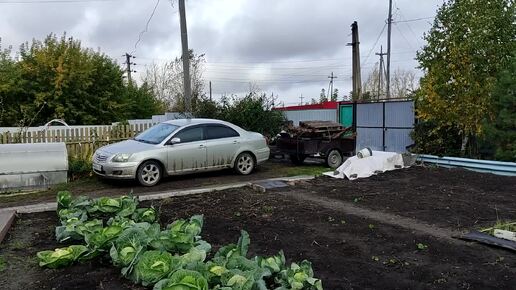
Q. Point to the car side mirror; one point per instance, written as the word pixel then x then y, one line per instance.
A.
pixel 174 140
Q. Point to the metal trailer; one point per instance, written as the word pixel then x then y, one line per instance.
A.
pixel 32 165
pixel 332 151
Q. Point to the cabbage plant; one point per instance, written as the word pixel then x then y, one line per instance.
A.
pixel 152 267
pixel 183 280
pixel 298 276
pixel 61 257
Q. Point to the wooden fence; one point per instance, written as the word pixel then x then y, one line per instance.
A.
pixel 80 142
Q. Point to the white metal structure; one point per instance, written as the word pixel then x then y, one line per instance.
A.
pixel 32 165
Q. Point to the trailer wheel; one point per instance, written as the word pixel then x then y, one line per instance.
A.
pixel 297 159
pixel 334 158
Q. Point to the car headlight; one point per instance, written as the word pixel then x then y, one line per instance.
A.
pixel 121 157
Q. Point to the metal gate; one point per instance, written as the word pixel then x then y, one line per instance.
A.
pixel 385 126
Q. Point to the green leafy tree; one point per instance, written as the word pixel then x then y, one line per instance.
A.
pixel 58 78
pixel 9 90
pixel 335 95
pixel 322 96
pixel 500 137
pixel 469 44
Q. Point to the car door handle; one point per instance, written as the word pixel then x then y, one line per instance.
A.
pixel 201 146
pixel 235 142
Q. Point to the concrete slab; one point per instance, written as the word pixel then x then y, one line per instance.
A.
pixel 269 184
pixel 6 220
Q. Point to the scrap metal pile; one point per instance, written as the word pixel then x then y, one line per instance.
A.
pixel 318 129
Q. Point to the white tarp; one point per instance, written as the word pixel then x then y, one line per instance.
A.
pixel 379 162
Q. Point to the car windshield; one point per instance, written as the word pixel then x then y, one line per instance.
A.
pixel 156 134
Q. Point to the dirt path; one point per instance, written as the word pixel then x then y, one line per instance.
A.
pixel 383 217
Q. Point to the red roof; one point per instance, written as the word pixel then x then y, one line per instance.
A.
pixel 325 105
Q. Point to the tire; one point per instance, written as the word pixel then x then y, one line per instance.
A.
pixel 149 173
pixel 244 163
pixel 297 159
pixel 334 158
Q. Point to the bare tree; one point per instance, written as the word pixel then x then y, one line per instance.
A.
pixel 403 82
pixel 166 80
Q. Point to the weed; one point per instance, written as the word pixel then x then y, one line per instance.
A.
pixel 375 258
pixel 238 214
pixel 267 209
pixel 421 246
pixel 342 222
pixel 3 264
pixel 371 226
pixel 330 219
pixel 17 245
pixel 357 199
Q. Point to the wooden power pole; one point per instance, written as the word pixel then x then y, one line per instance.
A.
pixel 186 58
pixel 380 72
pixel 128 67
pixel 357 79
pixel 389 24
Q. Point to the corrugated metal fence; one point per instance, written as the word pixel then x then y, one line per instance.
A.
pixel 385 126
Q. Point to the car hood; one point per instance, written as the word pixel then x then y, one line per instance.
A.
pixel 127 146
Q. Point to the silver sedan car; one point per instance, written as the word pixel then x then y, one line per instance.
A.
pixel 180 147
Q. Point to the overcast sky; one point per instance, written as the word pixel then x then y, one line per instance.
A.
pixel 286 47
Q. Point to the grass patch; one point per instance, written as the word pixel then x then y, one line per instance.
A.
pixel 306 170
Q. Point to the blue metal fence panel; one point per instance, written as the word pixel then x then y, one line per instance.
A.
pixel 311 115
pixel 369 115
pixel 397 140
pixel 385 126
pixel 369 137
pixel 495 167
pixel 399 114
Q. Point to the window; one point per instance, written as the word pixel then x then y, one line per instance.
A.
pixel 156 134
pixel 220 131
pixel 190 135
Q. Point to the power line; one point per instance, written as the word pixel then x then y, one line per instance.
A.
pixel 146 27
pixel 375 43
pixel 413 20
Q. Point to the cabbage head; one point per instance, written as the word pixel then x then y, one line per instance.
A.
pixel 61 257
pixel 152 267
pixel 183 280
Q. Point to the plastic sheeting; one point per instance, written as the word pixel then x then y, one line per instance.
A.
pixel 379 162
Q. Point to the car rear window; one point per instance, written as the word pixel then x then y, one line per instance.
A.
pixel 220 131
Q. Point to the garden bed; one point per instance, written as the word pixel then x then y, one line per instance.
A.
pixel 347 251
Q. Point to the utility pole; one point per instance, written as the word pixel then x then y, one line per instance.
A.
pixel 331 77
pixel 380 71
pixel 357 79
pixel 210 91
pixel 128 67
pixel 186 57
pixel 389 24
pixel 301 103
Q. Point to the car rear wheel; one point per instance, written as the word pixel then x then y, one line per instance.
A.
pixel 334 158
pixel 149 173
pixel 244 163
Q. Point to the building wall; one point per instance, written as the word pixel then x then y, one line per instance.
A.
pixel 311 115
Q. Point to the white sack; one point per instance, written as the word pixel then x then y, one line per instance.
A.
pixel 355 167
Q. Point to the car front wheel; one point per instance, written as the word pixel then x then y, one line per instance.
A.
pixel 149 173
pixel 244 163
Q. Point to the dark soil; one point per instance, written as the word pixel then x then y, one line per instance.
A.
pixel 453 198
pixel 347 251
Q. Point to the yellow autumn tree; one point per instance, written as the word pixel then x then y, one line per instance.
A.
pixel 470 42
